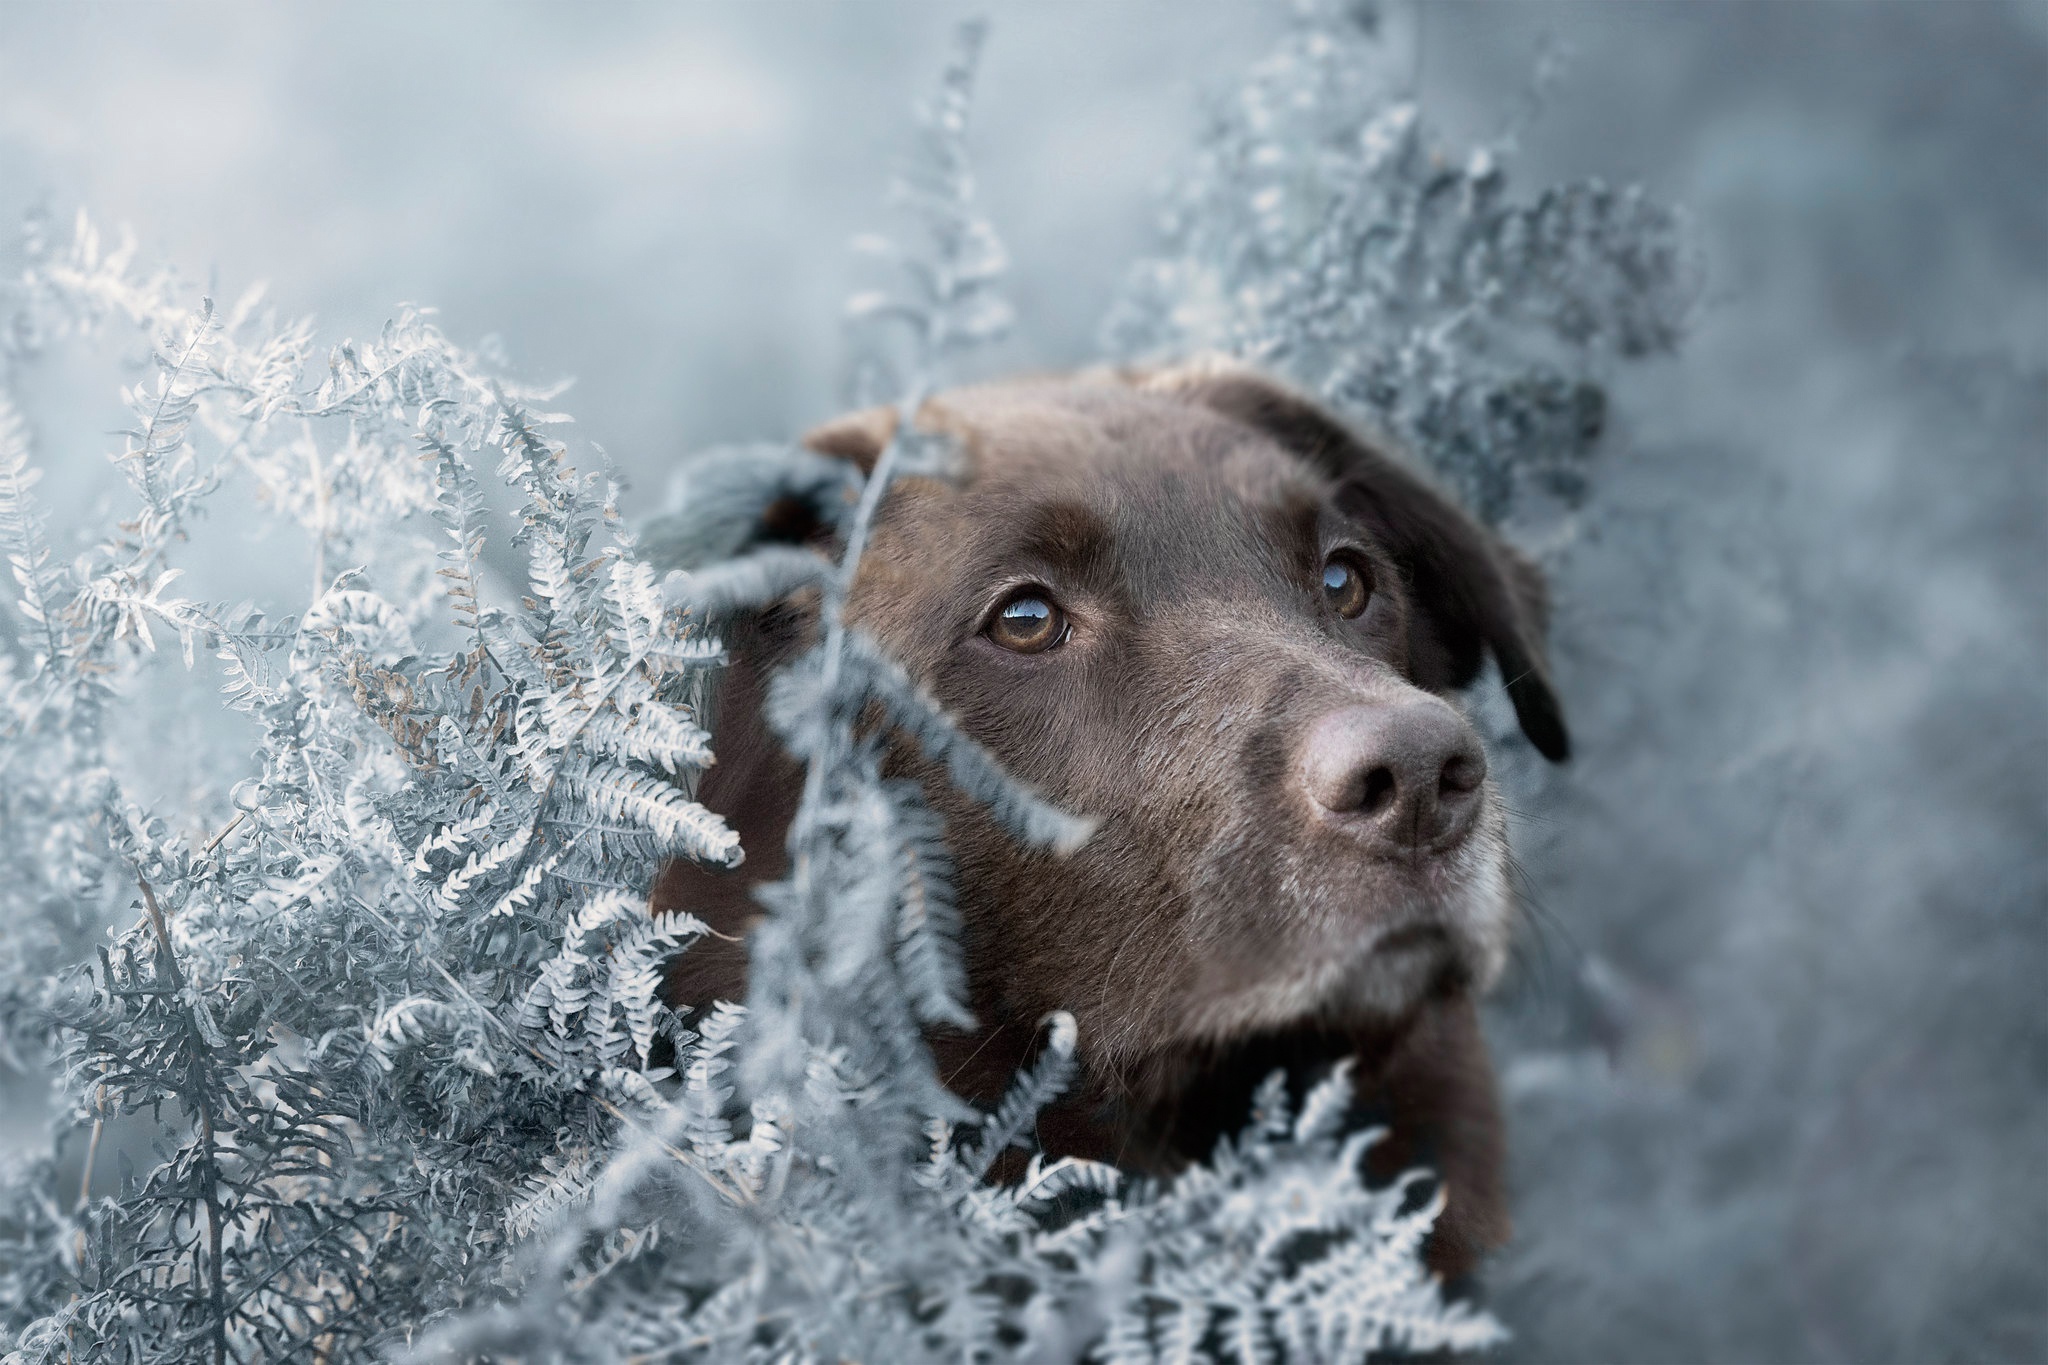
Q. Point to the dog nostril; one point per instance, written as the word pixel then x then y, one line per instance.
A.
pixel 1460 777
pixel 1378 793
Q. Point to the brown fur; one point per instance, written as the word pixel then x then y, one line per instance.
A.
pixel 1218 924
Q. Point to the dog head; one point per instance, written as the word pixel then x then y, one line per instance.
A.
pixel 1194 606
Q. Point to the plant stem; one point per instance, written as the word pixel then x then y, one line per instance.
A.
pixel 209 1172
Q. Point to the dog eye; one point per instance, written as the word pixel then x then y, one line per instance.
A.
pixel 1028 623
pixel 1346 585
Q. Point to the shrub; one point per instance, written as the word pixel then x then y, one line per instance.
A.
pixel 375 1043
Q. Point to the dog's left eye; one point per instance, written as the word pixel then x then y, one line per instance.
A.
pixel 1028 623
pixel 1346 585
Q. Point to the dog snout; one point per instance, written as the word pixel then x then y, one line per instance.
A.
pixel 1404 776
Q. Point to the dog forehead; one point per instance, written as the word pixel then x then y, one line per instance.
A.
pixel 1120 452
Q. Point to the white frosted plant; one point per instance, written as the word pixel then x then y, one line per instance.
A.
pixel 412 960
pixel 364 1053
pixel 1325 232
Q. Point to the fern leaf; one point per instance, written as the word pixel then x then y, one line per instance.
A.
pixel 928 921
pixel 754 580
pixel 648 802
pixel 720 500
pixel 1043 1082
pixel 1324 1110
pixel 1028 816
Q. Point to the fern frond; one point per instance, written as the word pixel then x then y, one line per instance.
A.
pixel 480 866
pixel 1040 1084
pixel 720 499
pixel 21 535
pixel 928 920
pixel 757 579
pixel 1043 1184
pixel 1324 1111
pixel 638 727
pixel 1026 815
pixel 648 802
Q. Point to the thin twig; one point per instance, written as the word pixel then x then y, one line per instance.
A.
pixel 216 1291
pixel 226 830
pixel 92 1148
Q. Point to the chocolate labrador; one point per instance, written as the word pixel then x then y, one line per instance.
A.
pixel 1193 605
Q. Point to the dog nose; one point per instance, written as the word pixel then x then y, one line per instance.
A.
pixel 1404 774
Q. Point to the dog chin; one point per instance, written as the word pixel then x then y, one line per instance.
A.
pixel 1377 981
pixel 1397 974
pixel 1445 931
pixel 1452 937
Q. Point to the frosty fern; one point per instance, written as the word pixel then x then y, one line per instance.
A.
pixel 368 1044
pixel 1325 234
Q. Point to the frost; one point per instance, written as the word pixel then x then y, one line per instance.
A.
pixel 1326 234
pixel 369 1047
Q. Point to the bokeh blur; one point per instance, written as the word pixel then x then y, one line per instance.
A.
pixel 1777 1048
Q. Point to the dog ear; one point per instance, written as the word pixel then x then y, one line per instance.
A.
pixel 857 437
pixel 1472 590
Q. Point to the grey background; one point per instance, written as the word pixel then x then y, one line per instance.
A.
pixel 1776 1048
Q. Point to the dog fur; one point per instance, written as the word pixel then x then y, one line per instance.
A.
pixel 1219 923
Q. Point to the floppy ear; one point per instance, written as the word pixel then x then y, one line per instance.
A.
pixel 1471 590
pixel 857 437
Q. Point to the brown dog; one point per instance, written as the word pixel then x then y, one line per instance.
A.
pixel 1192 605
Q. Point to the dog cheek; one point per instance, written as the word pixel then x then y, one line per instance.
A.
pixel 1246 924
pixel 1171 888
pixel 1096 932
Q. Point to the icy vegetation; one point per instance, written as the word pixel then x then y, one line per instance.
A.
pixel 369 1052
pixel 1325 233
pixel 322 881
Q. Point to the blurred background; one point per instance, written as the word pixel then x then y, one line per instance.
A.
pixel 1777 1046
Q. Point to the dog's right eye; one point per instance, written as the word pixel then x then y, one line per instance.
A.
pixel 1028 623
pixel 1347 585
